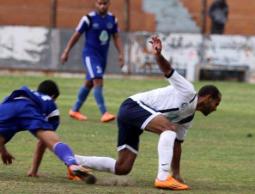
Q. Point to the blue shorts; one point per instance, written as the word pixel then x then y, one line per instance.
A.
pixel 94 66
pixel 132 119
pixel 21 115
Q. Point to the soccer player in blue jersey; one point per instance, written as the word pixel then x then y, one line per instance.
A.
pixel 166 111
pixel 98 26
pixel 36 112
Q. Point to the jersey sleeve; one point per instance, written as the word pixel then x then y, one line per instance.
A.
pixel 52 115
pixel 83 24
pixel 115 26
pixel 182 85
pixel 54 121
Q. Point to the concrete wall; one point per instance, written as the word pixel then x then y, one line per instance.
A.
pixel 40 49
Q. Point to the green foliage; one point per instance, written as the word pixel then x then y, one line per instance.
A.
pixel 218 154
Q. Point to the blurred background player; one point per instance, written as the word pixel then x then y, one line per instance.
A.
pixel 167 111
pixel 99 26
pixel 218 13
pixel 36 112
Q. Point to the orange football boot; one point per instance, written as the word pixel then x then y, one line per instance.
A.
pixel 79 173
pixel 107 117
pixel 170 183
pixel 77 115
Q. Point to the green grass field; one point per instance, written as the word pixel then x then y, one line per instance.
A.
pixel 218 157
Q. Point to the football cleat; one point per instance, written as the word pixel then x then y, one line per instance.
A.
pixel 170 183
pixel 77 115
pixel 79 173
pixel 107 117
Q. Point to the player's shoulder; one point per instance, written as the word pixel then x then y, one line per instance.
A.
pixel 87 18
pixel 112 16
pixel 91 14
pixel 47 103
pixel 180 83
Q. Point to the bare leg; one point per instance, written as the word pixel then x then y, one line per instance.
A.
pixel 50 138
pixel 176 161
pixel 62 150
pixel 125 162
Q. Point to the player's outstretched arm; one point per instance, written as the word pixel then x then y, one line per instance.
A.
pixel 37 158
pixel 118 45
pixel 164 65
pixel 72 41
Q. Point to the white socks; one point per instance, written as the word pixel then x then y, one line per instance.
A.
pixel 165 153
pixel 105 164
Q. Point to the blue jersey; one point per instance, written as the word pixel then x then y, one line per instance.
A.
pixel 28 110
pixel 98 31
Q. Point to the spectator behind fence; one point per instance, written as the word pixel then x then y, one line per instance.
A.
pixel 218 13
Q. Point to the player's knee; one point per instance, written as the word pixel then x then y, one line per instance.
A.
pixel 88 84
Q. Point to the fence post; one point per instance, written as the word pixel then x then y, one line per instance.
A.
pixel 203 20
pixel 127 15
pixel 203 16
pixel 54 36
pixel 127 29
pixel 53 14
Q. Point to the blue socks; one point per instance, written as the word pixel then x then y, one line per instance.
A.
pixel 82 96
pixel 98 94
pixel 64 153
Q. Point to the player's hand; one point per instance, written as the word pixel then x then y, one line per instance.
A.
pixel 7 158
pixel 121 60
pixel 156 45
pixel 64 57
pixel 31 173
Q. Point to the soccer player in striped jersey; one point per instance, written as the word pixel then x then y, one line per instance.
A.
pixel 37 112
pixel 166 111
pixel 98 26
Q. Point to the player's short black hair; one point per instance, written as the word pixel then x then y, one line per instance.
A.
pixel 49 88
pixel 211 90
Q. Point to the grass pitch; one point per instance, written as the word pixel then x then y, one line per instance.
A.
pixel 218 153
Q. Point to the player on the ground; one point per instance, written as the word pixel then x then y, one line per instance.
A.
pixel 98 26
pixel 167 111
pixel 36 112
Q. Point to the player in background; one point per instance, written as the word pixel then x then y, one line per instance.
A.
pixel 98 26
pixel 36 112
pixel 166 111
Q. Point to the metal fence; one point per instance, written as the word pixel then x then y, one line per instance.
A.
pixel 36 48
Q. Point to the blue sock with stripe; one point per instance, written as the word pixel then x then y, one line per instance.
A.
pixel 98 94
pixel 82 96
pixel 64 153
